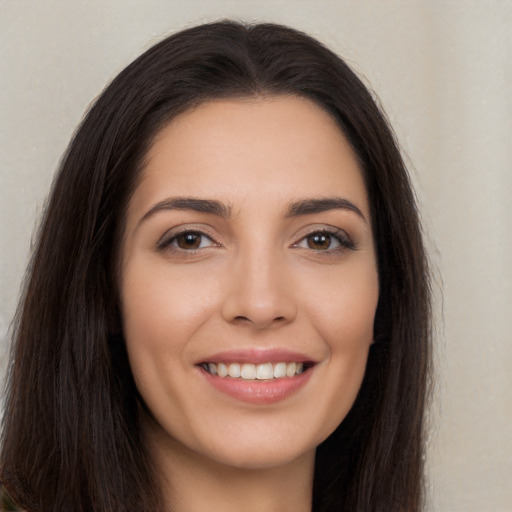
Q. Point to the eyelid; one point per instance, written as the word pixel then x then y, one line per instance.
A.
pixel 170 235
pixel 344 239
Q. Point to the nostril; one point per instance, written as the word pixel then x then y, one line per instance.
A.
pixel 242 319
pixel 245 319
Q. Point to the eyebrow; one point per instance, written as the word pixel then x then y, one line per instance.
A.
pixel 214 207
pixel 310 206
pixel 190 203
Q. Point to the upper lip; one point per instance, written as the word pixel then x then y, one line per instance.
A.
pixel 258 356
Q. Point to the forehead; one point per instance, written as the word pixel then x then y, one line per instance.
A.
pixel 281 147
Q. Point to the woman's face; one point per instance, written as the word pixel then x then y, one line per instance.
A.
pixel 248 250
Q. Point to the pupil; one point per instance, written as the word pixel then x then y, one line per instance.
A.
pixel 319 241
pixel 189 241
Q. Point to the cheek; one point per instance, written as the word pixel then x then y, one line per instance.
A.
pixel 344 307
pixel 149 311
pixel 162 310
pixel 159 318
pixel 343 312
pixel 156 300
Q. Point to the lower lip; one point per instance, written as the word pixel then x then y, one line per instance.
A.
pixel 262 392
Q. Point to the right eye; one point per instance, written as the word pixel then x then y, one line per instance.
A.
pixel 187 241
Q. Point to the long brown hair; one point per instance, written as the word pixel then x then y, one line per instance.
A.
pixel 70 437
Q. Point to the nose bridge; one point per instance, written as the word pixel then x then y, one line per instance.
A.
pixel 260 292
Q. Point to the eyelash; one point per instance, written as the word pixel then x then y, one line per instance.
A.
pixel 171 242
pixel 344 241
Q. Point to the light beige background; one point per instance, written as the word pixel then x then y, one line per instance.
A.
pixel 443 72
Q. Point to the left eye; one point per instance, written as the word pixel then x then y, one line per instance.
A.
pixel 190 240
pixel 321 241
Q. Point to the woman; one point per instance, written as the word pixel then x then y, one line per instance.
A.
pixel 228 305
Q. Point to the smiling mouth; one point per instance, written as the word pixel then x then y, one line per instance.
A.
pixel 249 371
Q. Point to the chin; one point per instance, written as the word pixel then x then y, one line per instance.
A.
pixel 262 456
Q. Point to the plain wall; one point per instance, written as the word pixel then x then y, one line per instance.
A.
pixel 442 70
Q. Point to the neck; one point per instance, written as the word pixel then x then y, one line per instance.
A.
pixel 192 483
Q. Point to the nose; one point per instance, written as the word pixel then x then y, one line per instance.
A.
pixel 260 293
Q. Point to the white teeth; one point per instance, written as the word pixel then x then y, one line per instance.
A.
pixel 234 370
pixel 222 370
pixel 279 370
pixel 248 371
pixel 290 369
pixel 264 371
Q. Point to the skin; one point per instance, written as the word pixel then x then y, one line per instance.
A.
pixel 258 279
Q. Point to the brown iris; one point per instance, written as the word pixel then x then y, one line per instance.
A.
pixel 189 240
pixel 319 241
